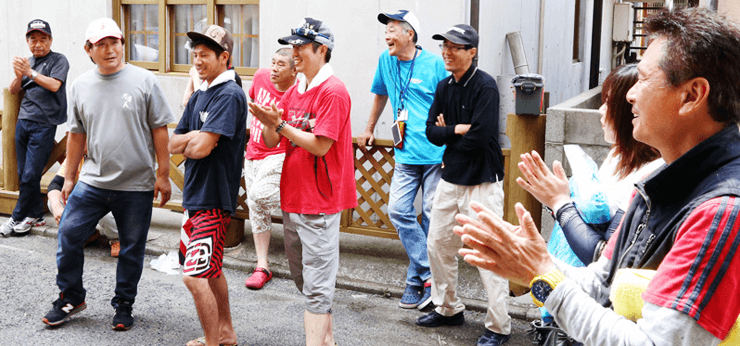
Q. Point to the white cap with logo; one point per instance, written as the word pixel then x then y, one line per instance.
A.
pixel 102 28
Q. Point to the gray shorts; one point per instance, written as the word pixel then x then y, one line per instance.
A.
pixel 312 247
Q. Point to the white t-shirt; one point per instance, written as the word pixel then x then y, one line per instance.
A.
pixel 618 192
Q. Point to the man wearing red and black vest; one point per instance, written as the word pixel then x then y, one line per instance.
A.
pixel 683 220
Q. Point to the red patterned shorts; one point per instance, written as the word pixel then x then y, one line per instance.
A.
pixel 203 251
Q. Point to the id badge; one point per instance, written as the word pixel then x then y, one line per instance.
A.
pixel 403 115
pixel 397 130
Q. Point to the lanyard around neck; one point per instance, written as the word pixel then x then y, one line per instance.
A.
pixel 408 79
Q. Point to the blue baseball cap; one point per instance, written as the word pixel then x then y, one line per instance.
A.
pixel 38 25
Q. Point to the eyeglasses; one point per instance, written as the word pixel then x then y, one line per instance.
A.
pixel 445 47
pixel 307 33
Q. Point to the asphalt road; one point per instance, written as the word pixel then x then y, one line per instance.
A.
pixel 165 313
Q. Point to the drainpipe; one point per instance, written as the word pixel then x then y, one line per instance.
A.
pixel 593 80
pixel 474 21
pixel 517 52
pixel 712 5
pixel 541 48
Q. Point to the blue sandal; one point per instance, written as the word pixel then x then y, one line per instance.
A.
pixel 411 297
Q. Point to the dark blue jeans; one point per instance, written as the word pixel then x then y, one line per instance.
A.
pixel 85 206
pixel 33 145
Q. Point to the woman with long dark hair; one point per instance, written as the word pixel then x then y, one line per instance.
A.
pixel 627 162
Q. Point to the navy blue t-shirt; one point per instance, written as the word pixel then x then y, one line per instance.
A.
pixel 40 104
pixel 213 181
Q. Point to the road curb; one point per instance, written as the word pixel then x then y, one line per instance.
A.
pixel 519 308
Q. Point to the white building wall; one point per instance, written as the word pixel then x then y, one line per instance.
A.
pixel 359 39
pixel 68 21
pixel 607 26
pixel 730 8
pixel 563 78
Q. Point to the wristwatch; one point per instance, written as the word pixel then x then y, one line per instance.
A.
pixel 34 74
pixel 542 285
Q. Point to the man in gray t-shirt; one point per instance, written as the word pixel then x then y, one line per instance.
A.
pixel 120 113
pixel 44 106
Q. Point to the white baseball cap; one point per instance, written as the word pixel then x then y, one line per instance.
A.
pixel 402 16
pixel 102 28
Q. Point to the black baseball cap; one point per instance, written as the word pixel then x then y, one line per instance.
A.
pixel 311 30
pixel 38 25
pixel 460 34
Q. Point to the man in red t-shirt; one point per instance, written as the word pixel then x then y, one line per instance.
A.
pixel 263 165
pixel 318 182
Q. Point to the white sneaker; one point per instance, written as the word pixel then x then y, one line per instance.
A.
pixel 27 224
pixel 7 228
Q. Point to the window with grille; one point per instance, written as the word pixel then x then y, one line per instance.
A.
pixel 242 21
pixel 142 36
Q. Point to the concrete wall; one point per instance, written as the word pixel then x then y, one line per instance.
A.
pixel 575 121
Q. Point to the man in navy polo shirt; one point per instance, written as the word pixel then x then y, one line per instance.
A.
pixel 43 77
pixel 211 136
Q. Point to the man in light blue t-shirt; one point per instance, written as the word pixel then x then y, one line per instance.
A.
pixel 408 76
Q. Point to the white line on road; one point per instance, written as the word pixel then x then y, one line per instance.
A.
pixel 15 248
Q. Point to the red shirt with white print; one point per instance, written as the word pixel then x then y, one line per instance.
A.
pixel 263 93
pixel 311 184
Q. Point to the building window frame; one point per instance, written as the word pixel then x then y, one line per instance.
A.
pixel 166 20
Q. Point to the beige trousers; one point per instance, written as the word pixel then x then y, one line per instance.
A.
pixel 443 244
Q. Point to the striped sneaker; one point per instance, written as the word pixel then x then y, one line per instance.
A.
pixel 7 228
pixel 28 223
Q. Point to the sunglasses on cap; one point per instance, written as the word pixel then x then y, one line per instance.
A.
pixel 307 33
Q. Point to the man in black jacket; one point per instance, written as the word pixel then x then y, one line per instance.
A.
pixel 464 116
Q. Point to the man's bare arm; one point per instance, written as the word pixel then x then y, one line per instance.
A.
pixel 75 150
pixel 178 142
pixel 162 185
pixel 24 67
pixel 317 145
pixel 270 118
pixel 201 145
pixel 15 85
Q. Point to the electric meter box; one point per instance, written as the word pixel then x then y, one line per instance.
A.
pixel 624 18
